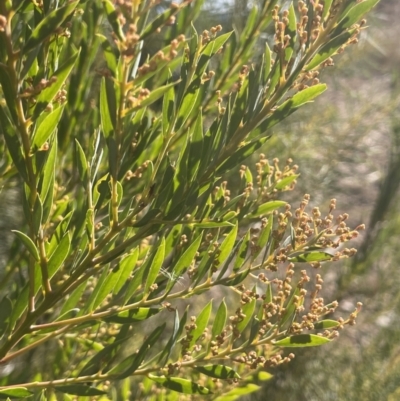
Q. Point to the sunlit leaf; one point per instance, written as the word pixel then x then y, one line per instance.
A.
pixel 248 310
pixel 180 385
pixel 220 319
pixel 57 258
pixel 314 256
pixel 218 371
pixel 329 49
pixel 80 389
pixel 302 340
pixel 354 15
pixel 113 19
pixel 46 128
pixel 326 324
pixel 49 24
pixel 238 392
pixel 201 323
pixel 133 315
pixel 30 246
pixel 267 208
pixel 15 392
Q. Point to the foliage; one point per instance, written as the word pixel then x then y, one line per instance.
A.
pixel 121 160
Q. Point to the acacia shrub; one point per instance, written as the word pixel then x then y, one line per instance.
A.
pixel 126 208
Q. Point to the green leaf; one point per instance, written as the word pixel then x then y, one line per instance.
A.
pixel 49 25
pixel 29 244
pixel 158 22
pixel 302 340
pixel 236 279
pixel 286 181
pixel 105 112
pixel 133 315
pixel 37 215
pixel 110 55
pixel 266 208
pixel 168 109
pixel 201 323
pixel 291 31
pixel 80 389
pixel 267 63
pixel 125 268
pixel 154 96
pixel 354 15
pixel 49 173
pixel 211 48
pixel 60 254
pixel 180 385
pixel 218 371
pixel 113 19
pixel 15 392
pixel 329 49
pixel 290 308
pixel 220 320
pixel 187 257
pixel 227 244
pixel 155 266
pixel 248 310
pixel 327 9
pixel 314 256
pixel 242 253
pixel 213 224
pixel 82 162
pixel 46 128
pixel 238 392
pixel 288 107
pixel 188 102
pixel 326 324
pixel 47 95
pixel 265 234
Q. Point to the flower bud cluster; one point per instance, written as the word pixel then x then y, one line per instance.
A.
pixel 138 172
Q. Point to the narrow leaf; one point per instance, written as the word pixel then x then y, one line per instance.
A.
pixel 46 128
pixel 314 256
pixel 15 392
pixel 80 389
pixel 113 19
pixel 47 95
pixel 220 319
pixel 29 244
pixel 267 208
pixel 201 323
pixel 248 310
pixel 133 315
pixel 326 324
pixel 302 340
pixel 49 25
pixel 59 255
pixel 329 49
pixel 218 371
pixel 180 385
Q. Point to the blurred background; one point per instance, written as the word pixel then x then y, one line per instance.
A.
pixel 347 145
